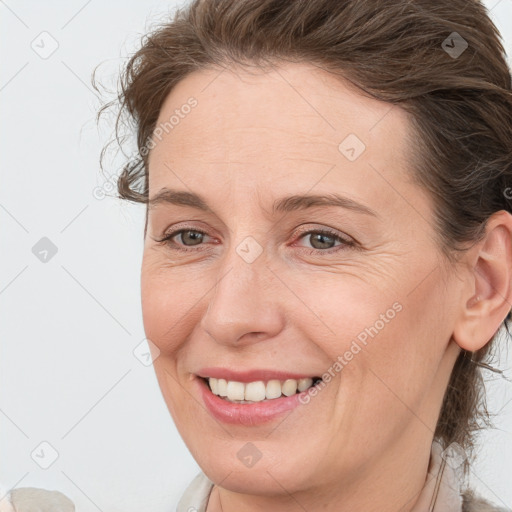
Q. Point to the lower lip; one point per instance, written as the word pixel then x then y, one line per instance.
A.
pixel 247 414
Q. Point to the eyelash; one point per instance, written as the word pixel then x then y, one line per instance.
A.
pixel 345 242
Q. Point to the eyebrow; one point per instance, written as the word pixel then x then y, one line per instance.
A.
pixel 180 198
pixel 284 204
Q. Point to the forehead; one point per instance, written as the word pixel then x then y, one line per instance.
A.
pixel 273 128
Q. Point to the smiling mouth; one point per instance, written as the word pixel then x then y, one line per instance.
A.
pixel 258 391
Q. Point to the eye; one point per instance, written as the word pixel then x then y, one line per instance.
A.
pixel 324 240
pixel 191 237
pixel 185 238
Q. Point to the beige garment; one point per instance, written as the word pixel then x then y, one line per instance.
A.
pixel 31 499
pixel 442 492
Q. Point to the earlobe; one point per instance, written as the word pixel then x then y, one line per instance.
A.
pixel 488 298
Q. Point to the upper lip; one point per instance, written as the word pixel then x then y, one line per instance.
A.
pixel 251 375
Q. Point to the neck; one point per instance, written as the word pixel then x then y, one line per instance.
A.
pixel 391 484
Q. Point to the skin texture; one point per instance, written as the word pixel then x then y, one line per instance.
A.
pixel 363 443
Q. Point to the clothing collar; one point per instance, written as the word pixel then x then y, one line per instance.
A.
pixel 441 492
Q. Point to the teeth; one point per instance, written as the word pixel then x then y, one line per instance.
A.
pixel 222 387
pixel 214 385
pixel 273 389
pixel 257 391
pixel 289 387
pixel 236 390
pixel 304 384
pixel 254 391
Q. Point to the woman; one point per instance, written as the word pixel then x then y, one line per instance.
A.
pixel 328 245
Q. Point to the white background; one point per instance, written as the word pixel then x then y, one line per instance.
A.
pixel 68 327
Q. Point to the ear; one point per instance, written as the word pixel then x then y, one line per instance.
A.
pixel 487 298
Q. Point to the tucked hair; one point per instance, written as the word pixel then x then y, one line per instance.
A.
pixel 398 51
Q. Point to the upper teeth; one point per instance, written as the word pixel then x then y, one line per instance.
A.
pixel 257 391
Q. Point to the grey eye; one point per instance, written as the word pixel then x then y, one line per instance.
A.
pixel 321 241
pixel 194 237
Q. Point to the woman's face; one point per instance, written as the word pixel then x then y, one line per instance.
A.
pixel 251 284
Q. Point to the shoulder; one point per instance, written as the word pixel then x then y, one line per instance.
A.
pixel 471 502
pixel 33 498
pixel 196 495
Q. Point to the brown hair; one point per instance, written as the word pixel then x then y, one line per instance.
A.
pixel 399 51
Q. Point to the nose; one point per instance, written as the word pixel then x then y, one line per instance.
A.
pixel 243 307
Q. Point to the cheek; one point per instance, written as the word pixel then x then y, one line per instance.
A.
pixel 169 301
pixel 384 341
pixel 169 316
pixel 335 310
